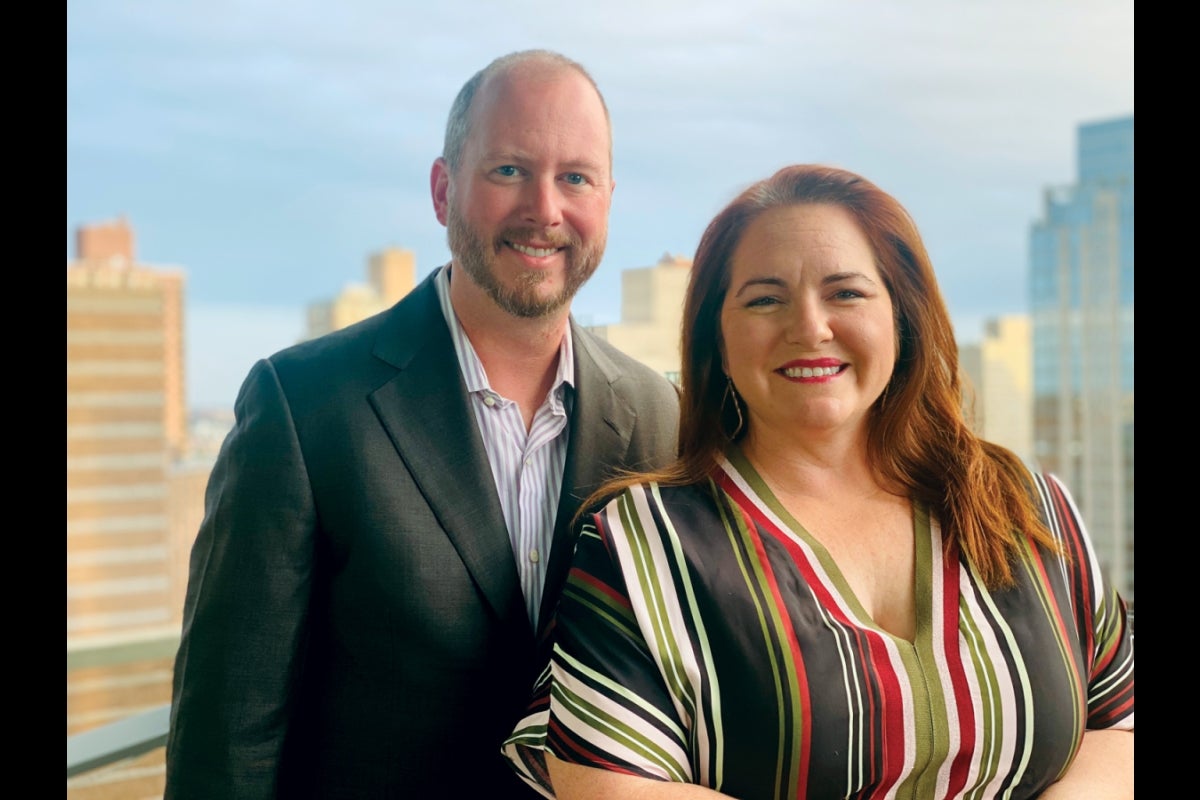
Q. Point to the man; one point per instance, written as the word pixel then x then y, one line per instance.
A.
pixel 387 525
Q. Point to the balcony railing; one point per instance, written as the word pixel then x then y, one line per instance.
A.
pixel 126 738
pixel 133 735
pixel 141 733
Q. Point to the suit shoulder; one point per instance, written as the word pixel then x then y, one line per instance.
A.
pixel 641 378
pixel 384 334
pixel 333 346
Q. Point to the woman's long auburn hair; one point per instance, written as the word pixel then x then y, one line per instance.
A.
pixel 919 441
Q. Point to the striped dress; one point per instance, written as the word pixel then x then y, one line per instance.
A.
pixel 704 636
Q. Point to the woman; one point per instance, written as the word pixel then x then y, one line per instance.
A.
pixel 837 590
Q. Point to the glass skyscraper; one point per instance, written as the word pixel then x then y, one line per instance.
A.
pixel 1081 258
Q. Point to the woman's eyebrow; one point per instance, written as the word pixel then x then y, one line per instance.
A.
pixel 763 281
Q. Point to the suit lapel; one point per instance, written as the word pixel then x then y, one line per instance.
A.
pixel 601 426
pixel 426 413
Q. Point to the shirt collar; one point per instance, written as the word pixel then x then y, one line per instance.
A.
pixel 468 360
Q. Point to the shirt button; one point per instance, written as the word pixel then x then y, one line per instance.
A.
pixel 489 401
pixel 533 556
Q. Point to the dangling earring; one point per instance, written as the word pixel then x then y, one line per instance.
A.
pixel 737 406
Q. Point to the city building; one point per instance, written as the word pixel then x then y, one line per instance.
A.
pixel 126 421
pixel 126 427
pixel 999 394
pixel 1081 260
pixel 391 274
pixel 651 314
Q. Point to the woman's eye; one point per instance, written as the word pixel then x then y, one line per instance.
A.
pixel 760 302
pixel 848 294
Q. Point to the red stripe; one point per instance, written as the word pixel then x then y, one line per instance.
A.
pixel 1112 709
pixel 805 745
pixel 1082 590
pixel 578 575
pixel 892 726
pixel 960 766
pixel 578 755
pixel 1066 629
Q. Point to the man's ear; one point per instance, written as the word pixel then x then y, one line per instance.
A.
pixel 439 188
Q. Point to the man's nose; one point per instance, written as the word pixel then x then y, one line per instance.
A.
pixel 543 202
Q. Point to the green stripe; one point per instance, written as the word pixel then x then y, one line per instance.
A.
pixel 620 731
pixel 716 734
pixel 1004 632
pixel 989 699
pixel 931 730
pixel 603 605
pixel 770 624
pixel 656 606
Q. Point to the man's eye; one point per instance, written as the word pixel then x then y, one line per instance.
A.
pixel 575 179
pixel 508 170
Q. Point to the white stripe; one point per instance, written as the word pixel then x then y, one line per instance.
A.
pixel 706 750
pixel 993 626
pixel 895 662
pixel 648 559
pixel 527 468
pixel 610 700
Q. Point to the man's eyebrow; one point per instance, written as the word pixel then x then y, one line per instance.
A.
pixel 583 164
pixel 507 155
pixel 519 157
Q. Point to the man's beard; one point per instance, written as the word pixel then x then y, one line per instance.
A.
pixel 477 259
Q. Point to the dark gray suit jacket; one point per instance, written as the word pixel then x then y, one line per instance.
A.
pixel 354 626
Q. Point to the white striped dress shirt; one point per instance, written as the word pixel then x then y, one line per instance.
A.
pixel 527 467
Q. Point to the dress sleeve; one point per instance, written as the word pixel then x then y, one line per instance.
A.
pixel 603 701
pixel 1101 614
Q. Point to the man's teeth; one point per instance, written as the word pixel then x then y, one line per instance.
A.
pixel 536 252
pixel 810 372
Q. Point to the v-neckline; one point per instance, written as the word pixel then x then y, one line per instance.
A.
pixel 922 570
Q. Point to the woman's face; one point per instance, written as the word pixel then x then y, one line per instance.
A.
pixel 809 336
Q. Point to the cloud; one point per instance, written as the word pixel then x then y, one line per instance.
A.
pixel 268 147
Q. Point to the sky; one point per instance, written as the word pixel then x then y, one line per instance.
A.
pixel 268 148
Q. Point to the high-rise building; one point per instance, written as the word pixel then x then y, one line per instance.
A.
pixel 999 369
pixel 125 421
pixel 126 424
pixel 652 314
pixel 391 274
pixel 1081 258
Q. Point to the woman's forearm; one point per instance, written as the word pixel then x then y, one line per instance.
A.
pixel 576 782
pixel 1102 770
